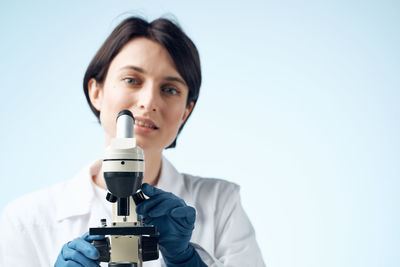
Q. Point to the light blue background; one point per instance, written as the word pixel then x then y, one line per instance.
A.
pixel 299 106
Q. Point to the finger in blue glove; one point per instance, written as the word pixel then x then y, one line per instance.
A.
pixel 184 216
pixel 79 252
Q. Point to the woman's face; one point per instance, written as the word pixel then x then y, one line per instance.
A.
pixel 143 79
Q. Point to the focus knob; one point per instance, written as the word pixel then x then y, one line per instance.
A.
pixel 138 197
pixel 111 198
pixel 103 246
pixel 150 248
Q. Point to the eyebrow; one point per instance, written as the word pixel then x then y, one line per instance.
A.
pixel 168 78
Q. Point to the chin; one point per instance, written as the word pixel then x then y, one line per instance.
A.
pixel 147 145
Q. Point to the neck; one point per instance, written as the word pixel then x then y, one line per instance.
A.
pixel 151 173
pixel 152 167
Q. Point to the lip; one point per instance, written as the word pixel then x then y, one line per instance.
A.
pixel 143 129
pixel 145 120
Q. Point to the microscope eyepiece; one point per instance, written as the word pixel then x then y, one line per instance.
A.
pixel 125 124
pixel 124 112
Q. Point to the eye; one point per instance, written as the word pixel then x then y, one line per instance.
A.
pixel 132 81
pixel 170 90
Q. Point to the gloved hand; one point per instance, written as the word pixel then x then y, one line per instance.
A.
pixel 79 252
pixel 174 221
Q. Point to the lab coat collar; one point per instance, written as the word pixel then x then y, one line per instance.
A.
pixel 170 179
pixel 78 193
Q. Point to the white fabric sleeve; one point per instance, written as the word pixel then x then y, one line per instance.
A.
pixel 16 247
pixel 207 258
pixel 235 241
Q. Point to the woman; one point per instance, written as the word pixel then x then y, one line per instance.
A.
pixel 153 70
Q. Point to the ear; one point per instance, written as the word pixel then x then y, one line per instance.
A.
pixel 188 110
pixel 95 91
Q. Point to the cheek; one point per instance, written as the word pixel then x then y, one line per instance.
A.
pixel 114 101
pixel 174 118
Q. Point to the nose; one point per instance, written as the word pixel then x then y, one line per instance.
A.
pixel 148 98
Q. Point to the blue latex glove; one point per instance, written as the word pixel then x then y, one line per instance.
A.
pixel 174 221
pixel 79 252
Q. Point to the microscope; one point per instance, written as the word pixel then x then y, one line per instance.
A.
pixel 129 241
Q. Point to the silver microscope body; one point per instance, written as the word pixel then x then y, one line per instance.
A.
pixel 128 241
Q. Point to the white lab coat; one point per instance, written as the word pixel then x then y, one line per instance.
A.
pixel 35 226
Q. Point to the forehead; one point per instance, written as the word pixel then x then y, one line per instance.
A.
pixel 146 54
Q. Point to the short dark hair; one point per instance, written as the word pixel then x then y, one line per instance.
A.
pixel 163 31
